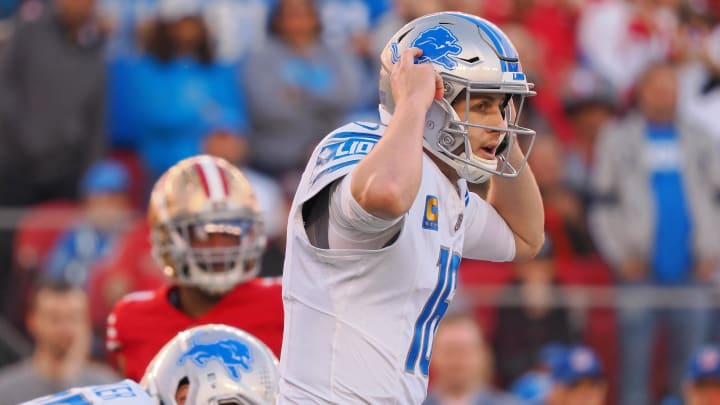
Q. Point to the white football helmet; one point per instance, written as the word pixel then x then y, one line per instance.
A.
pixel 472 56
pixel 196 198
pixel 222 365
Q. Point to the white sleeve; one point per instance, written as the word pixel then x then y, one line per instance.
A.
pixel 351 227
pixel 487 235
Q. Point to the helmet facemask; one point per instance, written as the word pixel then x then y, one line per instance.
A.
pixel 212 252
pixel 447 134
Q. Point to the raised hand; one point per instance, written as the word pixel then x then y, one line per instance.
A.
pixel 415 83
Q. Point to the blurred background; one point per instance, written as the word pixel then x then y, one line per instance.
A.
pixel 99 97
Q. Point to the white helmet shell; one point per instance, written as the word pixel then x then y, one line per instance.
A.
pixel 222 365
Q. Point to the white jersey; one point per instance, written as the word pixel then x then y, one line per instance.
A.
pixel 359 324
pixel 125 392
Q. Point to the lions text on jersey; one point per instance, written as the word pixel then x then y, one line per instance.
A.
pixel 359 323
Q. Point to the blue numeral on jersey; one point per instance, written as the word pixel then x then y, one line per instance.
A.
pixel 433 311
pixel 110 393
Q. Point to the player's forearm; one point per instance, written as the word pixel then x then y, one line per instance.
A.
pixel 519 202
pixel 387 179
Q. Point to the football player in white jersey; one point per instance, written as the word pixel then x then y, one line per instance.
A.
pixel 383 214
pixel 125 392
pixel 205 365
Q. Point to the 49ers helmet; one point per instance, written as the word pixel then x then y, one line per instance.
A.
pixel 206 228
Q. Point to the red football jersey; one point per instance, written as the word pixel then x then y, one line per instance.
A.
pixel 142 322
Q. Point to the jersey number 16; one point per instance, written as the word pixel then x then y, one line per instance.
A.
pixel 433 311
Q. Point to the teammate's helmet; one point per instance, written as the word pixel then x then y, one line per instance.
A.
pixel 472 56
pixel 222 365
pixel 196 198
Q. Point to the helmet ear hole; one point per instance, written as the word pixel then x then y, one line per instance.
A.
pixel 436 120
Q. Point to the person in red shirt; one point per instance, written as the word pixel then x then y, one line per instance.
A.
pixel 207 233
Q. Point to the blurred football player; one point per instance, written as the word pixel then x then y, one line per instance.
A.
pixel 213 364
pixel 703 380
pixel 207 234
pixel 383 214
pixel 205 365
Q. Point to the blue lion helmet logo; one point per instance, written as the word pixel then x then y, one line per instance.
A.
pixel 438 45
pixel 233 354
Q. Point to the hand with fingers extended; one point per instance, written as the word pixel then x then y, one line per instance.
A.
pixel 415 83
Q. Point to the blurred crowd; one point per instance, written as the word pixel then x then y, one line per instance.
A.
pixel 100 97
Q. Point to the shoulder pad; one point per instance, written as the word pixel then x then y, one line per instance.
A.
pixel 338 153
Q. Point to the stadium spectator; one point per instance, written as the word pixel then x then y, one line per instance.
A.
pixel 590 104
pixel 461 367
pixel 51 109
pixel 106 215
pixel 702 385
pixel 298 89
pixel 59 325
pixel 578 379
pixel 539 319
pixel 654 220
pixel 130 22
pixel 96 236
pixel 535 386
pixel 182 94
pixel 52 104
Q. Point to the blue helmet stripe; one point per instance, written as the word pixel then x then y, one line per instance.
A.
pixel 499 40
